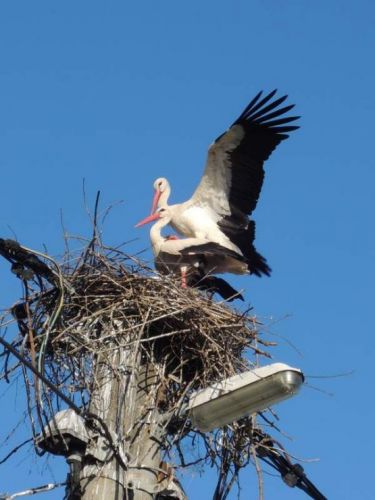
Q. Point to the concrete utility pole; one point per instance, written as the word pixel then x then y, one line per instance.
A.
pixel 125 399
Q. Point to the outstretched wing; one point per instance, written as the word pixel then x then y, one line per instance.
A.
pixel 233 175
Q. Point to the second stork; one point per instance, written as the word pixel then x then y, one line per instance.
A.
pixel 232 180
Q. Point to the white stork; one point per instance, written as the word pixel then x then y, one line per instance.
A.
pixel 232 180
pixel 194 258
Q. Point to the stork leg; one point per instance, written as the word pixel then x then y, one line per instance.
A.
pixel 183 276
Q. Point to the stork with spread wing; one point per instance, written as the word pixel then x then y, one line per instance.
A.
pixel 228 192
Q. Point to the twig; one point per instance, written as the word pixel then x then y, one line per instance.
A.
pixel 15 450
pixel 33 491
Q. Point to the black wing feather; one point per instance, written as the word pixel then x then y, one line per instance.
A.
pixel 288 119
pixel 262 117
pixel 261 137
pixel 270 107
pixel 212 248
pixel 249 106
pixel 264 125
pixel 254 105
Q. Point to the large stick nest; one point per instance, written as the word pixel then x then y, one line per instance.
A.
pixel 111 305
pixel 109 299
pixel 104 299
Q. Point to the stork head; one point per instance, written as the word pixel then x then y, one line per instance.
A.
pixel 162 213
pixel 162 192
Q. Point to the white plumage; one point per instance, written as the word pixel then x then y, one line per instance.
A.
pixel 195 258
pixel 231 183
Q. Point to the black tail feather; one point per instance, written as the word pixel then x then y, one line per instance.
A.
pixel 257 264
pixel 243 237
pixel 215 285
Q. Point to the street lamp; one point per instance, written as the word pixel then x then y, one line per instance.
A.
pixel 243 394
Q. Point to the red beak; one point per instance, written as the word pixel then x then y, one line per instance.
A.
pixel 148 219
pixel 155 201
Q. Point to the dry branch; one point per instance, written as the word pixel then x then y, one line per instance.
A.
pixel 103 299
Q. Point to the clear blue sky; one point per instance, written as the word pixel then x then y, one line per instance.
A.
pixel 120 93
